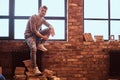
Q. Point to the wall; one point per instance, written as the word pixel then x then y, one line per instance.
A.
pixel 74 59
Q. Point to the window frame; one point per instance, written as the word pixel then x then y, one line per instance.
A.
pixel 109 19
pixel 11 17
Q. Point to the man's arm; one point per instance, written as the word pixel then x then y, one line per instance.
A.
pixel 52 32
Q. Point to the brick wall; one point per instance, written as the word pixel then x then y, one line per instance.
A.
pixel 74 59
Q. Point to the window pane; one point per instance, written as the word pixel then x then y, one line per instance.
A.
pixel 4 29
pixel 26 7
pixel 59 28
pixel 20 26
pixel 115 26
pixel 95 8
pixel 56 9
pixel 115 11
pixel 96 28
pixel 4 7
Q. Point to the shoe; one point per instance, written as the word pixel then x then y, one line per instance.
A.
pixel 36 71
pixel 41 47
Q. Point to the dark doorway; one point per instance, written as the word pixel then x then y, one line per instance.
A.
pixel 114 67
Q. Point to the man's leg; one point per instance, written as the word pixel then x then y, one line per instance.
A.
pixel 40 45
pixel 31 42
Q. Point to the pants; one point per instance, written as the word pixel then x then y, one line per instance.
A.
pixel 32 42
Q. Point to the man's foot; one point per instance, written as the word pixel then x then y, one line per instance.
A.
pixel 41 47
pixel 36 71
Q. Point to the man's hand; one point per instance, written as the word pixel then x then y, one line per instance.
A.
pixel 45 37
pixel 52 32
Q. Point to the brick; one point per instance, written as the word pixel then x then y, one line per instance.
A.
pixel 0 70
pixel 30 69
pixel 33 78
pixel 54 78
pixel 20 77
pixel 42 78
pixel 113 79
pixel 30 74
pixel 27 63
pixel 37 78
pixel 48 73
pixel 63 78
pixel 19 70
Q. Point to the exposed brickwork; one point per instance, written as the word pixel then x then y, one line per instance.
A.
pixel 71 61
pixel 74 59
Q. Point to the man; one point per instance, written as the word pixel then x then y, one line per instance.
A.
pixel 35 37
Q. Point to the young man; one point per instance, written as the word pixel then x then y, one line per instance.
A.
pixel 35 37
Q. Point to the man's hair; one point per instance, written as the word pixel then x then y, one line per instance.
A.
pixel 45 7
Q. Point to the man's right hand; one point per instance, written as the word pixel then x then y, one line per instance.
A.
pixel 45 37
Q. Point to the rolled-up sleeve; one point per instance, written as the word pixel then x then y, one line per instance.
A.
pixel 46 23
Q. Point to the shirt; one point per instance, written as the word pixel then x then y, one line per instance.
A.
pixel 34 24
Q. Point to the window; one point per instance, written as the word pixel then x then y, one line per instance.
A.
pixel 4 29
pixel 26 10
pixel 14 15
pixel 19 28
pixel 101 17
pixel 4 20
pixel 4 7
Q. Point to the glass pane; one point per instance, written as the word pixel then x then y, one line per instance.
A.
pixel 26 7
pixel 95 8
pixel 115 26
pixel 56 9
pixel 115 11
pixel 4 7
pixel 4 27
pixel 59 28
pixel 96 28
pixel 20 26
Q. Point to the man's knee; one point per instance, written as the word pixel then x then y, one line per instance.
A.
pixel 45 31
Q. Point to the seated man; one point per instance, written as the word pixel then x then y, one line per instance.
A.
pixel 33 34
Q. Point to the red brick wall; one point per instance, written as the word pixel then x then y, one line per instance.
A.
pixel 74 59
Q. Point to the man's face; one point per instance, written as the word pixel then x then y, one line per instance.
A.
pixel 43 12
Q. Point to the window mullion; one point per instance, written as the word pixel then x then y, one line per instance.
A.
pixel 11 19
pixel 109 20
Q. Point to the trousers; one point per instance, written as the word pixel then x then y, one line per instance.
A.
pixel 32 43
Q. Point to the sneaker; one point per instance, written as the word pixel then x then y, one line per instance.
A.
pixel 41 47
pixel 36 71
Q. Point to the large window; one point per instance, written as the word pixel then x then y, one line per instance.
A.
pixel 14 15
pixel 102 17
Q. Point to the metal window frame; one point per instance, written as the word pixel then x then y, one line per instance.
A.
pixel 12 17
pixel 109 19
